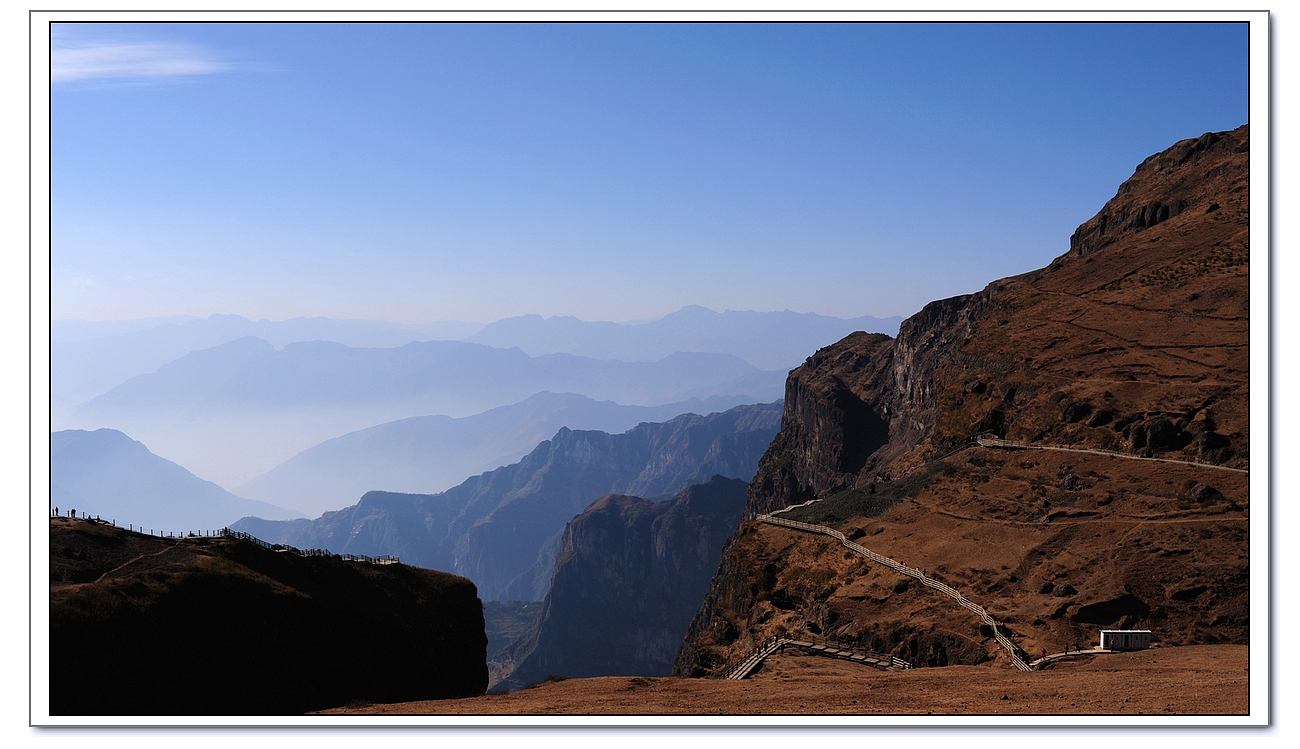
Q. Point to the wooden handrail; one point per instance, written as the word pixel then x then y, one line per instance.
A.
pixel 283 548
pixel 751 660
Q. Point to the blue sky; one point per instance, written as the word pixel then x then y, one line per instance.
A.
pixel 612 172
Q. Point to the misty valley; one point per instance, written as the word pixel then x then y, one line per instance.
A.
pixel 495 497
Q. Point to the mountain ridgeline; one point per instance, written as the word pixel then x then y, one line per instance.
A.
pixel 1134 341
pixel 428 454
pixel 89 358
pixel 768 340
pixel 502 528
pixel 235 411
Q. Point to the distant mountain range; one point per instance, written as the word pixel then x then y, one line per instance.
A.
pixel 235 411
pixel 231 398
pixel 767 340
pixel 501 529
pixel 88 358
pixel 108 474
pixel 428 454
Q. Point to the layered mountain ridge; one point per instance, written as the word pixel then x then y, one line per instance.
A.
pixel 428 454
pixel 768 340
pixel 502 528
pixel 122 349
pixel 235 411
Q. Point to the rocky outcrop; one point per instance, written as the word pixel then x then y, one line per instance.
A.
pixel 629 575
pixel 857 405
pixel 500 529
pixel 1136 341
pixel 833 419
pixel 1150 198
pixel 141 625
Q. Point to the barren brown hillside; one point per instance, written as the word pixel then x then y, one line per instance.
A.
pixel 1197 680
pixel 1135 341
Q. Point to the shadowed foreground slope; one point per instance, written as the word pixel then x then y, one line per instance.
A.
pixel 217 626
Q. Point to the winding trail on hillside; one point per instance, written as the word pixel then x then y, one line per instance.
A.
pixel 133 561
pixel 1009 445
pixel 1090 518
pixel 756 656
pixel 901 568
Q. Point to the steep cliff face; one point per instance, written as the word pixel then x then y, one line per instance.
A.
pixel 141 625
pixel 857 405
pixel 500 529
pixel 629 575
pixel 1136 341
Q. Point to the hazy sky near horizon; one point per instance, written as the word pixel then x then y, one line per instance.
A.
pixel 420 172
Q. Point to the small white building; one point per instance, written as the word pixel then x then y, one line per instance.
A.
pixel 1125 639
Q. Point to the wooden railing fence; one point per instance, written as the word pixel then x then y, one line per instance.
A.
pixel 228 533
pixel 814 645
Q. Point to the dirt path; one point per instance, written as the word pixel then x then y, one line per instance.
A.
pixel 1008 445
pixel 133 561
pixel 1136 520
pixel 917 574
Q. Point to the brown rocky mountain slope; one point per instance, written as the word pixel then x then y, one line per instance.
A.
pixel 1134 341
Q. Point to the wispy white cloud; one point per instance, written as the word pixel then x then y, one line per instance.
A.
pixel 129 61
pixel 82 282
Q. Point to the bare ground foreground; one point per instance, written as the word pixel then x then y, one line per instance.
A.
pixel 1190 680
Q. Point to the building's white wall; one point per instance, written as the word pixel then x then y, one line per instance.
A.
pixel 1125 640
